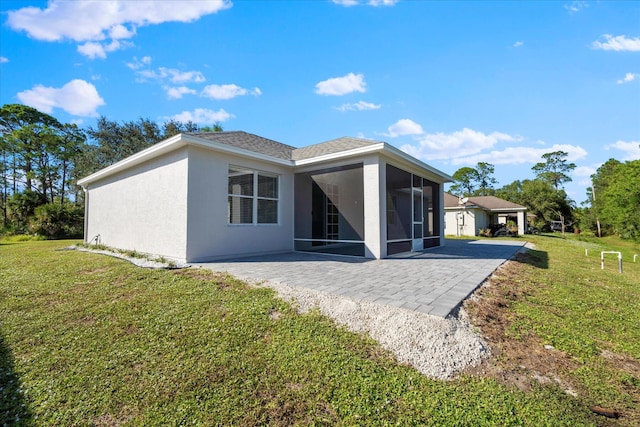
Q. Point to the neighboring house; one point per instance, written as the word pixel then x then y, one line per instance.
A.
pixel 204 196
pixel 465 219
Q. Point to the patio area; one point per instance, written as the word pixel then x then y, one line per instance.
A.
pixel 433 281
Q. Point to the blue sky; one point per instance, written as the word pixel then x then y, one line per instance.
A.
pixel 452 83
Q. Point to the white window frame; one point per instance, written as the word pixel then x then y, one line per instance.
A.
pixel 254 197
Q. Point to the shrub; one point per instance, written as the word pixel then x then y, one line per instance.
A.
pixel 58 220
pixel 20 238
pixel 485 232
pixel 20 207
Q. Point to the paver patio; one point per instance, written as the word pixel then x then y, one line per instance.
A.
pixel 433 281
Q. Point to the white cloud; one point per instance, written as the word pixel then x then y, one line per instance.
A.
pixel 3 59
pixel 228 91
pixel 629 77
pixel 617 43
pixel 631 149
pixel 202 116
pixel 584 171
pixel 121 32
pixel 174 81
pixel 77 97
pixel 404 127
pixel 377 3
pixel 459 144
pixel 342 85
pixel 98 21
pixel 172 74
pixel 584 174
pixel 346 3
pixel 521 155
pixel 136 63
pixel 576 6
pixel 359 106
pixel 178 92
pixel 518 44
pixel 94 50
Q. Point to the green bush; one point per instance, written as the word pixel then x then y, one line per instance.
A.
pixel 20 207
pixel 484 232
pixel 12 238
pixel 58 220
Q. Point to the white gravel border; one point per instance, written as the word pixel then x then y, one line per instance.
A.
pixel 146 262
pixel 437 347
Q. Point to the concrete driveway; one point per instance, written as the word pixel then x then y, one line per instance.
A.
pixel 433 281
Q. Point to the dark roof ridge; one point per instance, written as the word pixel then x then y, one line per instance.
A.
pixel 332 146
pixel 492 203
pixel 248 141
pixel 241 132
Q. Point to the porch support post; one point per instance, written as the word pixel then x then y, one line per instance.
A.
pixel 522 222
pixel 441 212
pixel 374 245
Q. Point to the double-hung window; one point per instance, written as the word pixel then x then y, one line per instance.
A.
pixel 253 196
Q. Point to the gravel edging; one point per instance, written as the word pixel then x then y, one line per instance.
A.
pixel 437 347
pixel 140 262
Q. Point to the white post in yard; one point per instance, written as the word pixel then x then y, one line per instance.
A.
pixel 611 252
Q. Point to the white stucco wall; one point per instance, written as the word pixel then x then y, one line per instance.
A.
pixel 483 220
pixel 176 206
pixel 209 234
pixel 475 219
pixel 143 208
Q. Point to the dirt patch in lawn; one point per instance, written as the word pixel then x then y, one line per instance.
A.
pixel 519 362
pixel 204 275
pixel 525 361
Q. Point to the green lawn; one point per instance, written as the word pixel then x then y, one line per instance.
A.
pixel 92 340
pixel 591 314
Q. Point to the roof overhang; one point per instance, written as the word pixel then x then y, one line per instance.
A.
pixel 498 210
pixel 183 140
pixel 171 144
pixel 381 148
pixel 508 210
pixel 397 154
pixel 361 151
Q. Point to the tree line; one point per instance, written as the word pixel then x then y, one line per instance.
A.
pixel 613 205
pixel 612 208
pixel 41 160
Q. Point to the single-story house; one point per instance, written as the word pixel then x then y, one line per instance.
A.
pixel 465 216
pixel 204 196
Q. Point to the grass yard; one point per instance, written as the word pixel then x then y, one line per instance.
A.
pixel 557 317
pixel 92 340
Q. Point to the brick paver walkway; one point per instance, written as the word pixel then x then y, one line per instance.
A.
pixel 433 281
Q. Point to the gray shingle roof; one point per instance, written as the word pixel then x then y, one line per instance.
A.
pixel 258 144
pixel 485 202
pixel 249 141
pixel 330 147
